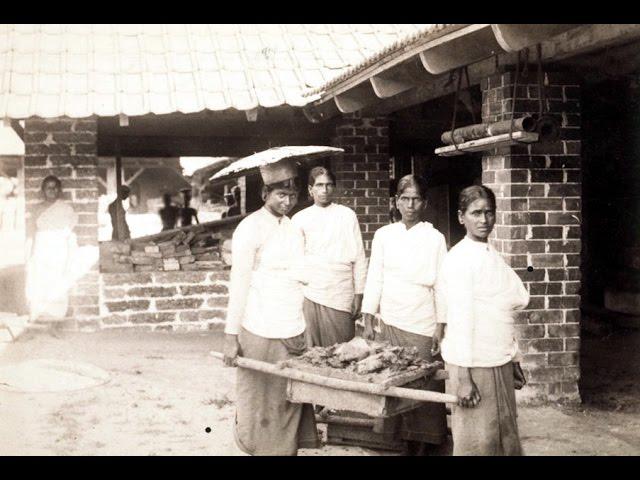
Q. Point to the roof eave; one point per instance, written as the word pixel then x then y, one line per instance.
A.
pixel 421 66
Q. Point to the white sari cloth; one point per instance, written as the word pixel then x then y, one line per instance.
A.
pixel 480 292
pixel 265 294
pixel 401 283
pixel 49 275
pixel 335 261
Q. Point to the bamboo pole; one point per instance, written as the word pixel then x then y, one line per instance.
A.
pixel 340 384
pixel 481 130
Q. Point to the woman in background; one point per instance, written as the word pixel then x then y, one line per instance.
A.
pixel 51 243
pixel 405 260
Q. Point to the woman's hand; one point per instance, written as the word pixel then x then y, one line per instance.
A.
pixel 468 393
pixel 519 379
pixel 231 350
pixel 368 333
pixel 436 340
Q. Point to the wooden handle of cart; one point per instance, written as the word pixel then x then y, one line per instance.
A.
pixel 340 384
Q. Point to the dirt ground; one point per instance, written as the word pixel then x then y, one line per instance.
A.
pixel 167 396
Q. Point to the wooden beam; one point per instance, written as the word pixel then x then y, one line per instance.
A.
pixel 318 113
pixel 123 120
pixel 589 38
pixel 166 146
pixel 399 78
pixel 440 87
pixel 204 126
pixel 356 99
pixel 139 172
pixel 252 115
pixel 460 48
pixel 516 36
pixel 15 125
pixel 118 164
pixel 385 86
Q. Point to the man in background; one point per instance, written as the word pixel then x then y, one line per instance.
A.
pixel 187 214
pixel 169 213
pixel 117 212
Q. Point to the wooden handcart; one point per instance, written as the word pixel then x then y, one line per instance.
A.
pixel 307 384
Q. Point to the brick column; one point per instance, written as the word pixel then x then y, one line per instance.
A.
pixel 66 148
pixel 363 170
pixel 538 188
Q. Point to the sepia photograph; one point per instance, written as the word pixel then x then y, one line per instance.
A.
pixel 314 240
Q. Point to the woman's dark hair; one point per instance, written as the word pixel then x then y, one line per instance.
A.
pixel 473 193
pixel 413 181
pixel 317 171
pixel 51 178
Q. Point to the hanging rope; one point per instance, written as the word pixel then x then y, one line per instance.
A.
pixel 525 63
pixel 542 107
pixel 513 97
pixel 460 71
pixel 455 109
pixel 473 109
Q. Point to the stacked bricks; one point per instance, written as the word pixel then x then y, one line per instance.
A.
pixel 174 301
pixel 66 148
pixel 362 172
pixel 538 190
pixel 167 252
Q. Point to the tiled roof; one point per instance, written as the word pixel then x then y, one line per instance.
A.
pixel 81 70
pixel 427 32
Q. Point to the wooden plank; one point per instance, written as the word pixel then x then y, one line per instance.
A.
pixel 301 392
pixel 202 227
pixel 335 383
pixel 487 143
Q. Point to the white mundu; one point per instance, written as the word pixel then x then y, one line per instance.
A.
pixel 335 262
pixel 402 276
pixel 265 295
pixel 480 292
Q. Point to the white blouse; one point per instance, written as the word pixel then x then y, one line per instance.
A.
pixel 265 294
pixel 480 292
pixel 402 275
pixel 335 261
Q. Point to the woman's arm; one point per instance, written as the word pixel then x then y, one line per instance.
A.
pixel 373 284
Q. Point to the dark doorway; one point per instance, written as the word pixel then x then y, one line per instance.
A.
pixel 610 363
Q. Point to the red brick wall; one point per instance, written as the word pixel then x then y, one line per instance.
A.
pixel 66 148
pixel 538 189
pixel 362 172
pixel 175 301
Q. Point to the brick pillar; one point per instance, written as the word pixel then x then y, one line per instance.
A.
pixel 363 170
pixel 66 148
pixel 538 188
